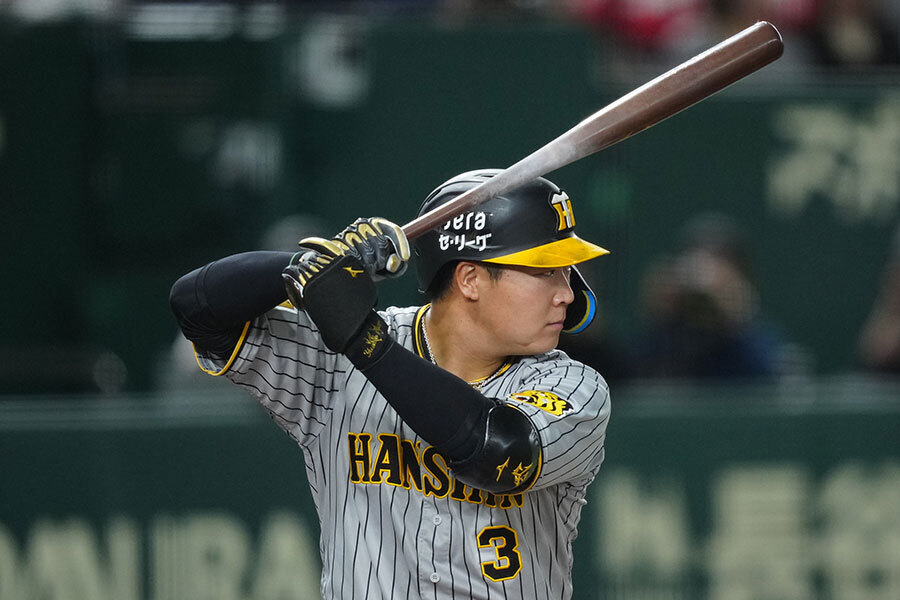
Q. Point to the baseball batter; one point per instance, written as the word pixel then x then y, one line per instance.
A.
pixel 449 446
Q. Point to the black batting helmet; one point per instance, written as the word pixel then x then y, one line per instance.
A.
pixel 532 226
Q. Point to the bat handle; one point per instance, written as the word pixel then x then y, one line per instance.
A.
pixel 465 201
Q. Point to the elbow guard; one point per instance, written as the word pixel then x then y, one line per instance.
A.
pixel 197 322
pixel 508 459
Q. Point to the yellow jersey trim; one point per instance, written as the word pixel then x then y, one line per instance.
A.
pixel 231 359
pixel 417 331
pixel 503 369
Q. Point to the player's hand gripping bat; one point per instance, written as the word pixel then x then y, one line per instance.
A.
pixel 671 92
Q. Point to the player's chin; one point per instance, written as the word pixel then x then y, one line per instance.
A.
pixel 544 342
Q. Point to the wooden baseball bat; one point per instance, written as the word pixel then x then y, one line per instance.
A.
pixel 673 91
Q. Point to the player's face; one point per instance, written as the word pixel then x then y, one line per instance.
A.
pixel 525 308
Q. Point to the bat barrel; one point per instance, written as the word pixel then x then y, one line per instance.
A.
pixel 700 77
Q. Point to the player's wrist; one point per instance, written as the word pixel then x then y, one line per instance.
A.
pixel 336 294
pixel 370 344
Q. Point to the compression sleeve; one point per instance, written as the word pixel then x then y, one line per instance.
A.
pixel 439 406
pixel 212 303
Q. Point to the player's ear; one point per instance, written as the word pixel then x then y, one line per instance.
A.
pixel 465 279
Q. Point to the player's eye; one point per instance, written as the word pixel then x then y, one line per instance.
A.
pixel 550 273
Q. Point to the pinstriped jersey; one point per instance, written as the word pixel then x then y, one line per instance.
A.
pixel 395 523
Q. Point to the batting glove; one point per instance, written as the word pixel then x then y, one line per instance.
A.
pixel 378 244
pixel 334 291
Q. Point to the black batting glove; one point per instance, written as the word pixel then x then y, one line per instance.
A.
pixel 338 295
pixel 379 245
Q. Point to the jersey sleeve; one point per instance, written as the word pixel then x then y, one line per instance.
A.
pixel 281 360
pixel 568 403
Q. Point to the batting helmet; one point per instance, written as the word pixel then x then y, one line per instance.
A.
pixel 532 226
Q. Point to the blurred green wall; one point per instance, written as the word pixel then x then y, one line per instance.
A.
pixel 711 494
pixel 125 162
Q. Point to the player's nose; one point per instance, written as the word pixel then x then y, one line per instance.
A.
pixel 564 293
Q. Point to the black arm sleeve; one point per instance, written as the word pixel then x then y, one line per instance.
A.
pixel 438 405
pixel 212 303
pixel 443 409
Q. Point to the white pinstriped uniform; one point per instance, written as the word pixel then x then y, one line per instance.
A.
pixel 394 522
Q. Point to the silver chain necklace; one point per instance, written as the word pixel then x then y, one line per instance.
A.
pixel 477 385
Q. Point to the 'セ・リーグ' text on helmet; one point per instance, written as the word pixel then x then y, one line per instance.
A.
pixel 532 225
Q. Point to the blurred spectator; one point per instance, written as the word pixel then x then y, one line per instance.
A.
pixel 854 33
pixel 702 310
pixel 455 12
pixel 660 35
pixel 879 342
pixel 731 16
pixel 653 27
pixel 725 18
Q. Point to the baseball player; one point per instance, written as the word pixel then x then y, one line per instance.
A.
pixel 448 447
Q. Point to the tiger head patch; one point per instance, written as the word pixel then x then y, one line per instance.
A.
pixel 546 401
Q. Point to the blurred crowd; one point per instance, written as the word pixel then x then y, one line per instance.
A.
pixel 703 318
pixel 702 314
pixel 849 34
pixel 826 33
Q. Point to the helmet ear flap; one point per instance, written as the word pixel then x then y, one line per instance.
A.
pixel 583 308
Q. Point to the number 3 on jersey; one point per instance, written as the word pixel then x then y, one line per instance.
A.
pixel 508 562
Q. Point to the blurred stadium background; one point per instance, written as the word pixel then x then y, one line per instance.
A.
pixel 139 140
